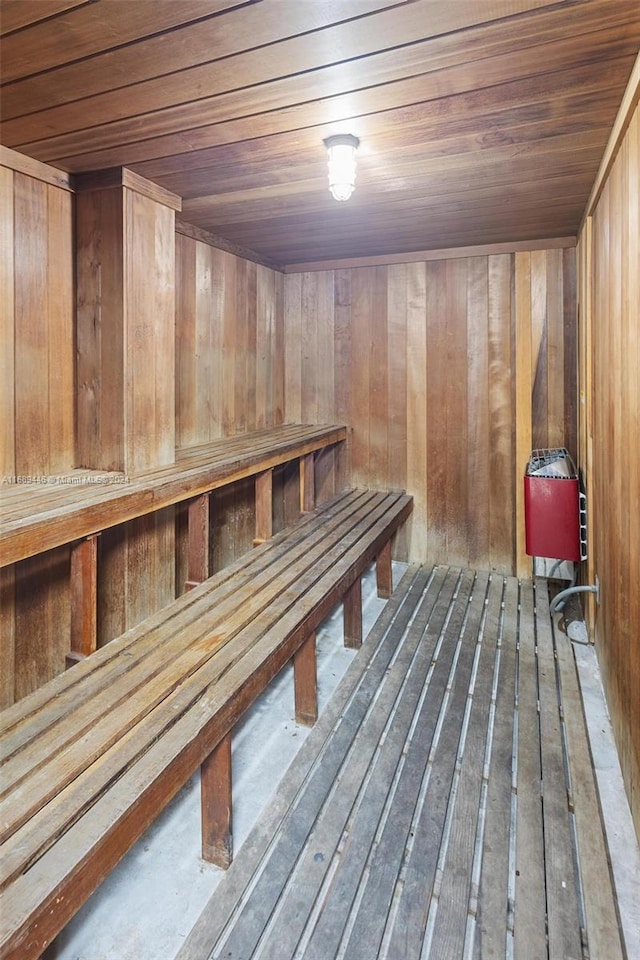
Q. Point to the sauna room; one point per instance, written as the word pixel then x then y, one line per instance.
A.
pixel 320 442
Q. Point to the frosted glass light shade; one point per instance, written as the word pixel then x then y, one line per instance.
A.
pixel 342 164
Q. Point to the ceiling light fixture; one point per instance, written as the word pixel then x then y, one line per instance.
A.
pixel 342 164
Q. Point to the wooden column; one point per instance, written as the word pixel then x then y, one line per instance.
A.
pixel 307 483
pixel 305 679
pixel 264 507
pixel 352 605
pixel 84 599
pixel 216 805
pixel 384 576
pixel 198 558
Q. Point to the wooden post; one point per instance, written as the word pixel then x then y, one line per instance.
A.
pixel 216 805
pixel 352 606
pixel 264 507
pixel 305 680
pixel 198 559
pixel 84 599
pixel 307 483
pixel 384 576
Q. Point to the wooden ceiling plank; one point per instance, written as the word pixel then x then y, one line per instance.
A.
pixel 17 14
pixel 85 31
pixel 395 35
pixel 329 116
pixel 239 29
pixel 338 85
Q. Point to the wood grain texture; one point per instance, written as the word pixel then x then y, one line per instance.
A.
pixel 437 370
pixel 229 344
pixel 610 426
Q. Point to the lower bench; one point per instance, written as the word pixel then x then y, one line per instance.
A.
pixel 90 759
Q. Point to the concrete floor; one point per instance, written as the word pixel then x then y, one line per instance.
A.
pixel 149 903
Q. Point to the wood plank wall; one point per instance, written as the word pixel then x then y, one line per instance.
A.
pixel 229 373
pixel 610 433
pixel 447 372
pixel 37 358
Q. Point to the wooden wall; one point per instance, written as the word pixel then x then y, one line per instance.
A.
pixel 447 372
pixel 37 390
pixel 229 373
pixel 229 344
pixel 610 436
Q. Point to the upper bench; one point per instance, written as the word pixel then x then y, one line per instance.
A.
pixel 38 516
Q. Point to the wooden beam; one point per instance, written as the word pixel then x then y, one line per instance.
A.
pixel 264 506
pixel 307 483
pixel 352 608
pixel 305 678
pixel 198 549
pixel 197 233
pixel 419 256
pixel 122 177
pixel 84 599
pixel 216 805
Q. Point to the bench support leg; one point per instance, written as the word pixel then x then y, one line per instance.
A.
pixel 198 560
pixel 305 680
pixel 264 507
pixel 384 577
pixel 84 599
pixel 352 606
pixel 307 483
pixel 217 837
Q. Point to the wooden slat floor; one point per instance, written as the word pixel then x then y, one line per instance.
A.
pixel 443 807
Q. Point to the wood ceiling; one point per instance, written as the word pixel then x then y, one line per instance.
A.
pixel 480 121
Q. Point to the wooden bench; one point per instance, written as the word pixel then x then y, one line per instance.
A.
pixel 91 758
pixel 75 508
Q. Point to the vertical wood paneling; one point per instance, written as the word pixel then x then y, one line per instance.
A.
pixel 7 325
pixel 100 330
pixel 523 395
pixel 31 344
pixel 150 333
pixel 440 370
pixel 504 473
pixel 478 394
pixel 230 353
pixel 416 453
pixel 37 429
pixel 610 427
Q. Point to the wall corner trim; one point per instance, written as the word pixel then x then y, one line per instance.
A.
pixel 20 163
pixel 623 119
pixel 123 177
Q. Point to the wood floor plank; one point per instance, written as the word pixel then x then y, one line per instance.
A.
pixel 421 823
pixel 328 829
pixel 456 898
pixel 419 877
pixel 603 931
pixel 344 713
pixel 493 896
pixel 563 919
pixel 530 903
pixel 386 796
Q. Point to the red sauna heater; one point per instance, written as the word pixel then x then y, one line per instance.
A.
pixel 554 507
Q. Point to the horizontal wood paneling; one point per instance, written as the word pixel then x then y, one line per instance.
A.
pixel 445 372
pixel 610 331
